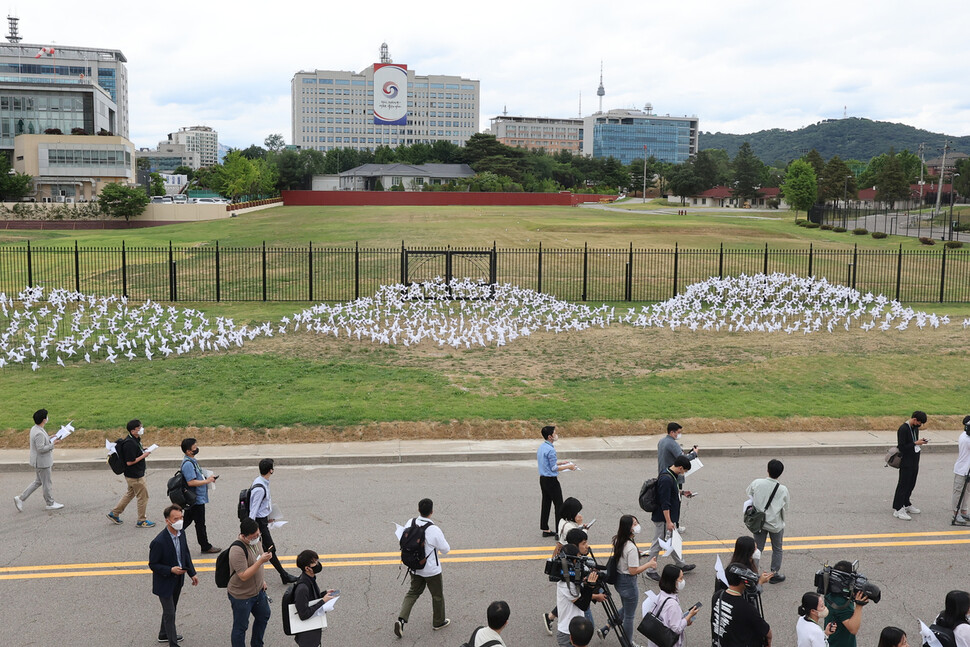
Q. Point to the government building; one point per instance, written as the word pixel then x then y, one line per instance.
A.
pixel 629 135
pixel 533 133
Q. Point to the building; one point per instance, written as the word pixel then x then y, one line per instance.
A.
pixel 335 109
pixel 531 133
pixel 723 196
pixel 73 168
pixel 66 88
pixel 629 135
pixel 198 139
pixel 168 157
pixel 933 165
pixel 377 177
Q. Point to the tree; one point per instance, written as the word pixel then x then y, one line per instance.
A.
pixel 184 170
pixel 144 164
pixel 712 168
pixel 837 181
pixel 158 184
pixel 817 161
pixel 747 174
pixel 962 183
pixel 800 187
pixel 253 152
pixel 891 183
pixel 121 201
pixel 685 182
pixel 274 143
pixel 13 186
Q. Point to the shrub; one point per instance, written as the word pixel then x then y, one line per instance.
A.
pixel 839 230
pixel 953 244
pixel 961 226
pixel 926 240
pixel 812 225
pixel 801 223
pixel 826 227
pixel 878 234
pixel 860 231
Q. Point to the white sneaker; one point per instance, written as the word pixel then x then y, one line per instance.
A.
pixel 19 503
pixel 911 509
pixel 54 506
pixel 901 514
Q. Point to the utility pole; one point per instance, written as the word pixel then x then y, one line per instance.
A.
pixel 939 185
pixel 921 147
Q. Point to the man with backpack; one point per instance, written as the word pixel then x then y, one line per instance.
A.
pixel 260 507
pixel 133 455
pixel 667 513
pixel 497 614
pixel 422 537
pixel 199 482
pixel 247 589
pixel 307 596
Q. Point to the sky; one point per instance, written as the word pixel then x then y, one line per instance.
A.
pixel 739 66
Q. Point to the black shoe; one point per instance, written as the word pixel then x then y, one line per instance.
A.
pixel 164 639
pixel 288 579
pixel 777 578
pixel 688 567
pixel 546 533
pixel 399 627
pixel 547 622
pixel 603 632
pixel 652 575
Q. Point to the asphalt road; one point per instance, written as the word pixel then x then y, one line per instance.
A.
pixel 74 576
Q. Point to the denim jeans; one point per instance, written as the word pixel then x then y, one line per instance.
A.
pixel 626 587
pixel 258 606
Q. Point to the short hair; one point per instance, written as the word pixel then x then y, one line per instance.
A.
pixel 167 512
pixel 844 566
pixel 733 575
pixel 248 526
pixel 682 461
pixel 891 636
pixel 265 466
pixel 547 431
pixel 580 631
pixel 669 577
pixel 39 416
pixel 187 444
pixel 809 602
pixel 305 557
pixel 425 507
pixel 775 468
pixel 133 425
pixel 920 416
pixel 576 536
pixel 498 614
pixel 570 508
pixel 673 426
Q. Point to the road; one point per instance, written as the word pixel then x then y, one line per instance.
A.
pixel 72 575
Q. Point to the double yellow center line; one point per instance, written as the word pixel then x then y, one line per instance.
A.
pixel 336 560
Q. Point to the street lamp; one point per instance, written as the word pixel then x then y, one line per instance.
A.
pixel 953 188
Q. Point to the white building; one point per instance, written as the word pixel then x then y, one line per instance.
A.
pixel 550 134
pixel 335 109
pixel 199 139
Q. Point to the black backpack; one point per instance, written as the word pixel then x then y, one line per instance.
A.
pixel 648 494
pixel 242 509
pixel 289 597
pixel 414 553
pixel 116 461
pixel 223 570
pixel 471 641
pixel 179 491
pixel 944 635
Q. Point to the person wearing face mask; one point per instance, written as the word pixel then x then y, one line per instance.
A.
pixel 199 482
pixel 812 614
pixel 746 553
pixel 668 449
pixel 954 618
pixel 169 560
pixel 306 596
pixel 627 558
pixel 667 605
pixel 247 588
pixel 909 443
pixel 667 514
pixel 134 456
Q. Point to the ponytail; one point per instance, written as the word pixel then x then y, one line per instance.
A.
pixel 809 604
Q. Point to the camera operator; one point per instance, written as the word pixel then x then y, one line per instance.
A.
pixel 844 611
pixel 734 621
pixel 579 586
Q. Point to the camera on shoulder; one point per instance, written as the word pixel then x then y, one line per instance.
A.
pixel 846 583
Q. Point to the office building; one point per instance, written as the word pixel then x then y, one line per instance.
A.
pixel 73 168
pixel 168 157
pixel 551 135
pixel 198 139
pixel 335 109
pixel 628 135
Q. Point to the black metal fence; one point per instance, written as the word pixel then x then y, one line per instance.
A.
pixel 946 225
pixel 268 273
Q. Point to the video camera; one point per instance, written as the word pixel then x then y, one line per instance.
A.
pixel 746 575
pixel 830 581
pixel 571 568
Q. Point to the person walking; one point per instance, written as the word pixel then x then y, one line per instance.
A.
pixel 955 617
pixel 247 588
pixel 549 468
pixel 199 482
pixel 169 560
pixel 133 455
pixel 909 444
pixel 42 460
pixel 808 631
pixel 668 449
pixel 771 496
pixel 260 508
pixel 430 575
pixel 307 596
pixel 569 518
pixel 667 605
pixel 667 514
pixel 627 559
pixel 961 475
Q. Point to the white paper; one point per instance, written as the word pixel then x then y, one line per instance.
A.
pixel 63 432
pixel 744 506
pixel 719 570
pixel 316 621
pixel 275 512
pixel 109 446
pixel 928 636
pixel 649 602
pixel 398 531
pixel 151 449
pixel 695 464
pixel 917 448
pixel 276 524
pixel 676 543
pixel 571 467
pixel 328 606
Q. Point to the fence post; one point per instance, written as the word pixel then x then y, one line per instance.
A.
pixel 539 270
pixel 356 269
pixel 676 255
pixel 942 274
pixel 264 270
pixel 720 263
pixel 855 262
pixel 899 270
pixel 171 273
pixel 404 266
pixel 309 265
pixel 629 275
pixel 811 258
pixel 766 260
pixel 493 266
pixel 218 286
pixel 585 267
pixel 30 267
pixel 77 269
pixel 124 270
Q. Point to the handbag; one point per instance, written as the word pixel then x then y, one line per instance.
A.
pixel 894 458
pixel 754 519
pixel 656 631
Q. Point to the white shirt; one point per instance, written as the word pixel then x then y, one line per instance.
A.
pixel 485 634
pixel 962 632
pixel 260 501
pixel 962 465
pixel 810 634
pixel 434 543
pixel 564 603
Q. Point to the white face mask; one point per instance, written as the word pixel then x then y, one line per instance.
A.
pixel 254 542
pixel 636 529
pixel 141 430
pixel 680 584
pixel 678 435
pixel 824 611
pixel 757 554
pixel 178 524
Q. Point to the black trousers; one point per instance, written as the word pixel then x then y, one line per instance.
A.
pixel 551 497
pixel 263 524
pixel 905 485
pixel 196 513
pixel 169 607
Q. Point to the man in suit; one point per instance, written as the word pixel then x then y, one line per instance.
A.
pixel 42 460
pixel 909 444
pixel 169 559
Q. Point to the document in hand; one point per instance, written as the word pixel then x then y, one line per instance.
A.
pixel 63 432
pixel 151 449
pixel 695 464
pixel 276 524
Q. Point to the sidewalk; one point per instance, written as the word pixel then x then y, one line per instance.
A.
pixel 450 451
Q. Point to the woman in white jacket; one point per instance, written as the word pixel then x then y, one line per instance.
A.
pixel 808 629
pixel 667 605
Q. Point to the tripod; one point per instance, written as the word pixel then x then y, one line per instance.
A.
pixel 613 617
pixel 963 493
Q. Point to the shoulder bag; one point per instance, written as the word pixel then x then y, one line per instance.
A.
pixel 655 630
pixel 754 519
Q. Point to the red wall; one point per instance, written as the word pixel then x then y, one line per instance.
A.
pixel 433 198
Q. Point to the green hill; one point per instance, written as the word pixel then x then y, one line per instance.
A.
pixel 852 138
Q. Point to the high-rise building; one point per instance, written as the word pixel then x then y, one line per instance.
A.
pixel 551 135
pixel 335 109
pixel 168 157
pixel 44 87
pixel 199 139
pixel 630 135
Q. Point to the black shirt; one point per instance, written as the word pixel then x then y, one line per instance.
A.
pixel 130 450
pixel 735 622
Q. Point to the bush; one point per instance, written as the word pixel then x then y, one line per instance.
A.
pixel 961 226
pixel 878 234
pixel 812 225
pixel 801 223
pixel 924 240
pixel 953 244
pixel 839 230
pixel 826 227
pixel 860 231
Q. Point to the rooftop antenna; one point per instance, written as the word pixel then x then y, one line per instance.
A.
pixel 600 91
pixel 845 112
pixel 14 35
pixel 580 104
pixel 385 56
pixel 505 110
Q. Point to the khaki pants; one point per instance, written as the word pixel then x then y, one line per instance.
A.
pixel 136 488
pixel 959 482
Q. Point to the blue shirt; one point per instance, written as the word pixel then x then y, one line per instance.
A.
pixel 260 502
pixel 192 472
pixel 547 460
pixel 178 546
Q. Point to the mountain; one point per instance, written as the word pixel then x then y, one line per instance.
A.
pixel 222 150
pixel 852 138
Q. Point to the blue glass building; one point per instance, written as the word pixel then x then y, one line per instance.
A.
pixel 629 135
